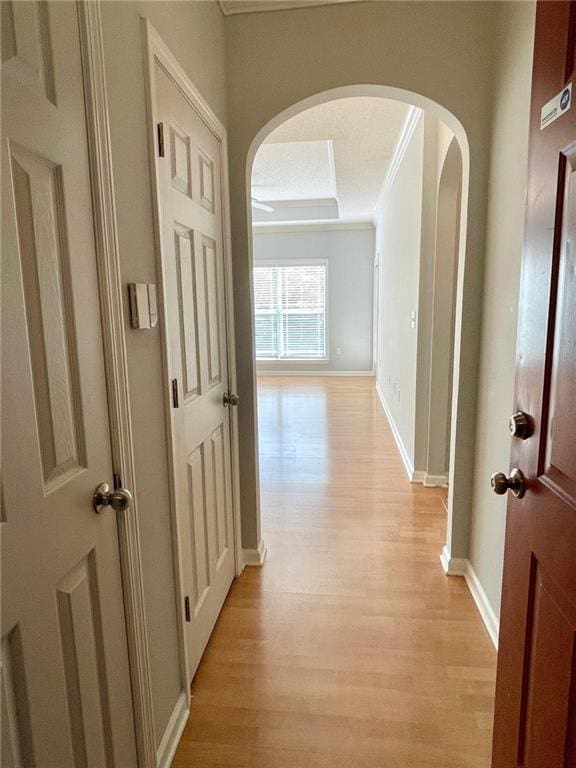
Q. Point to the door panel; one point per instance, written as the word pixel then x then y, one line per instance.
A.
pixel 188 310
pixel 212 292
pixel 27 45
pixel 39 204
pixel 81 635
pixel 193 274
pixel 558 454
pixel 17 750
pixel 549 675
pixel 198 527
pixel 66 695
pixel 221 498
pixel 535 717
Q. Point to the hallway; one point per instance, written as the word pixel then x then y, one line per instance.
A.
pixel 349 648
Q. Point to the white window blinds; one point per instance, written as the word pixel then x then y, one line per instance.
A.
pixel 290 308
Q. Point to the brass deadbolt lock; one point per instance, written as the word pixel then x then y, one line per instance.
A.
pixel 520 425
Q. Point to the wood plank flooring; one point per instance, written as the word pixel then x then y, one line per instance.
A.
pixel 349 648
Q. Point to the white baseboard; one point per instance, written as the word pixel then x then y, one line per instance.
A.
pixel 460 566
pixel 255 556
pixel 435 481
pixel 414 477
pixel 452 566
pixel 167 749
pixel 314 373
pixel 489 617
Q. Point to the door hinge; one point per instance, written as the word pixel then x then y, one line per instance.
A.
pixel 175 402
pixel 187 608
pixel 160 130
pixel 117 481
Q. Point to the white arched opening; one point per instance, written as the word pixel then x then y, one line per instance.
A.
pixel 443 313
pixel 457 525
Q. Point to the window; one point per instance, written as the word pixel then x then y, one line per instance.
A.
pixel 290 307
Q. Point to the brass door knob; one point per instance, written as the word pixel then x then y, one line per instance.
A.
pixel 229 399
pixel 118 500
pixel 514 482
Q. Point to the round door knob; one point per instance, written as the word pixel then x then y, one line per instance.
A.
pixel 229 399
pixel 514 482
pixel 520 425
pixel 118 500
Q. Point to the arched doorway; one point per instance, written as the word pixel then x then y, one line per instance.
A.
pixel 457 524
pixel 444 309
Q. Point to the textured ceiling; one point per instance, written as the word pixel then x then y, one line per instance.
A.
pixel 282 169
pixel 363 132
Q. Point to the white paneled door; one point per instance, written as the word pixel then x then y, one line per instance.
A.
pixel 65 683
pixel 193 270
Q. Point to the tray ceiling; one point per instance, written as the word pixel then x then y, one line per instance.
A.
pixel 230 7
pixel 341 149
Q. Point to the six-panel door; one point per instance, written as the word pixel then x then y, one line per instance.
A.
pixel 535 718
pixel 66 698
pixel 193 273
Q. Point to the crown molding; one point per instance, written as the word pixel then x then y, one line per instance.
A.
pixel 312 202
pixel 273 227
pixel 233 7
pixel 404 138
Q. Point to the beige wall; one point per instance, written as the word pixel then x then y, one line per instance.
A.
pixel 398 236
pixel 194 32
pixel 505 226
pixel 424 318
pixel 417 239
pixel 274 61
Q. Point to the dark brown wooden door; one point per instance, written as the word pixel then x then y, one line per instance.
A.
pixel 535 718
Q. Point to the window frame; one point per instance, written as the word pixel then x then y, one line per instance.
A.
pixel 297 263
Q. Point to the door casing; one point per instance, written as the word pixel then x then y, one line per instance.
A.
pixel 116 364
pixel 156 52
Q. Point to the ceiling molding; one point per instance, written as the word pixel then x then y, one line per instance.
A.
pixel 410 124
pixel 273 228
pixel 313 202
pixel 332 167
pixel 232 7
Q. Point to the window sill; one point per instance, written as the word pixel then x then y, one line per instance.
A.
pixel 292 360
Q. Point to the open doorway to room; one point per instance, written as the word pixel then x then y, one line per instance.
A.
pixel 355 231
pixel 315 184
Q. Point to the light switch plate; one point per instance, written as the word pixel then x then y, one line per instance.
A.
pixel 143 305
pixel 152 305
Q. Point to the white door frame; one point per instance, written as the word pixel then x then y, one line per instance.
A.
pixel 116 364
pixel 157 52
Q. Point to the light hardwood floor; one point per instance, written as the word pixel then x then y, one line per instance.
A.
pixel 349 648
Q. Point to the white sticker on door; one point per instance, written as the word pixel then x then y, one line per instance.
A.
pixel 556 107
